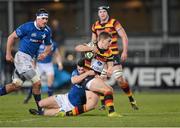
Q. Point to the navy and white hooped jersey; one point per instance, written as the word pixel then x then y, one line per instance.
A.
pixel 49 57
pixel 77 94
pixel 31 37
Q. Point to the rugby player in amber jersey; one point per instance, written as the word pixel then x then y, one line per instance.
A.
pixel 113 27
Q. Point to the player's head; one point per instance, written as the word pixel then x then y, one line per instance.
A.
pixel 103 12
pixel 104 40
pixel 42 18
pixel 80 65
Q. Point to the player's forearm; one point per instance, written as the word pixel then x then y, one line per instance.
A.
pixel 9 46
pixel 125 44
pixel 47 50
pixel 123 35
pixel 78 79
pixel 58 57
pixel 93 38
pixel 83 48
pixel 10 42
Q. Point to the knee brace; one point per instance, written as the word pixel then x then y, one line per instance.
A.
pixel 35 79
pixel 117 73
pixel 32 75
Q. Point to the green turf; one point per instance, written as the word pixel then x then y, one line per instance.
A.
pixel 155 110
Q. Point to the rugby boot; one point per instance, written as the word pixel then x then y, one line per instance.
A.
pixel 61 114
pixel 102 108
pixel 35 112
pixel 114 114
pixel 134 105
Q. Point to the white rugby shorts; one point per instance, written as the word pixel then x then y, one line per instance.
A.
pixel 23 62
pixel 46 68
pixel 88 84
pixel 63 102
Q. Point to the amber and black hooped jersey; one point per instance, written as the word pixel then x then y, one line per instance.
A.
pixel 111 26
pixel 98 62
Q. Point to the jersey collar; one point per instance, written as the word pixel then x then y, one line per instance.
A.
pixel 105 21
pixel 100 50
pixel 35 24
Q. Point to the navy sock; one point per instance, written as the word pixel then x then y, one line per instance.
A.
pixel 37 98
pixel 3 91
pixel 50 91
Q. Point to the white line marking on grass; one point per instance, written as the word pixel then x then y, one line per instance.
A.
pixel 14 121
pixel 160 113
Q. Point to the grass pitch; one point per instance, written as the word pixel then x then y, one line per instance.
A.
pixel 156 110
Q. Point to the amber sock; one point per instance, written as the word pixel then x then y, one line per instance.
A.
pixel 76 111
pixel 108 99
pixel 102 100
pixel 125 87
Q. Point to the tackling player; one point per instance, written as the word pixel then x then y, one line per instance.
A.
pixel 75 102
pixel 31 35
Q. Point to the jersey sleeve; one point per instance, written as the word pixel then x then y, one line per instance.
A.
pixel 22 30
pixel 74 73
pixel 48 40
pixel 117 25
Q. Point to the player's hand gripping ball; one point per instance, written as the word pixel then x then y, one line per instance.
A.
pixel 89 55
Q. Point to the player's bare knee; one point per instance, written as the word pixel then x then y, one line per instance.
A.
pixel 40 103
pixel 110 88
pixel 36 89
pixel 17 83
pixel 124 84
pixel 37 84
pixel 106 90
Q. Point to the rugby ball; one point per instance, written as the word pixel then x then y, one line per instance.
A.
pixel 89 55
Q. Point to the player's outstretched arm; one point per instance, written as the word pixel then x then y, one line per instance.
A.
pixel 83 48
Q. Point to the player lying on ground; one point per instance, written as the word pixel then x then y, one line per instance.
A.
pixel 77 100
